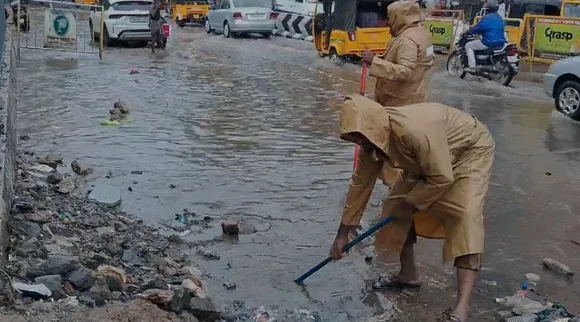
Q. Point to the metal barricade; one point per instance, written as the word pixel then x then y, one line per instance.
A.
pixel 59 26
pixel 444 26
pixel 549 38
pixel 451 14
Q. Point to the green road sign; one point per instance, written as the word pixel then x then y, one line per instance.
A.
pixel 61 25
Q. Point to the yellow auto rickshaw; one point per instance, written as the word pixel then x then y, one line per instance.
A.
pixel 343 29
pixel 184 11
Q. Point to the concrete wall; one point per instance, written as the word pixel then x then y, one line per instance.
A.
pixel 8 136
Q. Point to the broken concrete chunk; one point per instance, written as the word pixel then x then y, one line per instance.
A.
pixel 106 270
pixel 54 178
pixel 35 291
pixel 161 298
pixel 80 168
pixel 180 300
pixel 67 185
pixel 131 258
pixel 230 227
pixel 42 168
pixel 51 160
pixel 106 195
pixel 52 282
pixel 41 217
pixel 204 309
pixel 56 265
pixel 194 289
pixel 82 279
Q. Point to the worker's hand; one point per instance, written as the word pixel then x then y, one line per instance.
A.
pixel 336 251
pixel 367 57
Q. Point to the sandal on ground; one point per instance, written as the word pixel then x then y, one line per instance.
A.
pixel 447 317
pixel 452 318
pixel 393 281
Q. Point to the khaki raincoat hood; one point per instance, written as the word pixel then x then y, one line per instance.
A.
pixel 402 15
pixel 372 122
pixel 445 156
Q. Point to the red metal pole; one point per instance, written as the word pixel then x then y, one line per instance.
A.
pixel 363 86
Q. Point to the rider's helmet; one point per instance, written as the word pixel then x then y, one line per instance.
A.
pixel 492 6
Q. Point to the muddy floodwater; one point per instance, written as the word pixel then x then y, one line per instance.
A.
pixel 247 129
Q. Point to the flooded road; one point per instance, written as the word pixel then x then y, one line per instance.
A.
pixel 247 129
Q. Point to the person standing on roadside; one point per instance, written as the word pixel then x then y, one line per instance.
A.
pixel 154 17
pixel 403 73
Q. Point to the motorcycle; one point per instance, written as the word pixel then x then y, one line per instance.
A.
pixel 499 65
pixel 24 22
pixel 159 38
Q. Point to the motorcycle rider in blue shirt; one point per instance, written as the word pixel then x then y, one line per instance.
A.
pixel 491 27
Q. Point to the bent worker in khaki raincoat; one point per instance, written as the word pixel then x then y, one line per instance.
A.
pixel 445 156
pixel 403 74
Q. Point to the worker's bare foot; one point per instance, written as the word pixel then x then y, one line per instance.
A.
pixel 409 275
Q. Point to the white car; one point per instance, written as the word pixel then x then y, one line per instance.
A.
pixel 124 21
pixel 232 17
pixel 562 83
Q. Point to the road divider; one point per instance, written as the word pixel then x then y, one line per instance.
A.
pixel 294 26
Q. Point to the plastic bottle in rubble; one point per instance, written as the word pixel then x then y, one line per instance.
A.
pixel 514 300
pixel 510 301
pixel 523 318
pixel 558 267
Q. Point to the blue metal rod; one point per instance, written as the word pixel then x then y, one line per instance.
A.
pixel 348 246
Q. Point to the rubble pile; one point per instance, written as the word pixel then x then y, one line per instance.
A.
pixel 73 248
pixel 119 112
pixel 527 305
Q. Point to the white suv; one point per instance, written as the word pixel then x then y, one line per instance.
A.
pixel 124 21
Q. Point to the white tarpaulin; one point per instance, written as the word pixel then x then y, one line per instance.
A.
pixel 60 29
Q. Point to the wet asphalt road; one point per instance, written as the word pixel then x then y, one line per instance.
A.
pixel 247 129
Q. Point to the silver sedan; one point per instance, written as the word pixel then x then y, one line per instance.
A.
pixel 562 83
pixel 233 17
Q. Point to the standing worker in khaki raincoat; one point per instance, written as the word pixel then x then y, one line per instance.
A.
pixel 445 156
pixel 154 17
pixel 403 73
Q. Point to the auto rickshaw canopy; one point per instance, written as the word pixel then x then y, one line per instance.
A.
pixel 342 14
